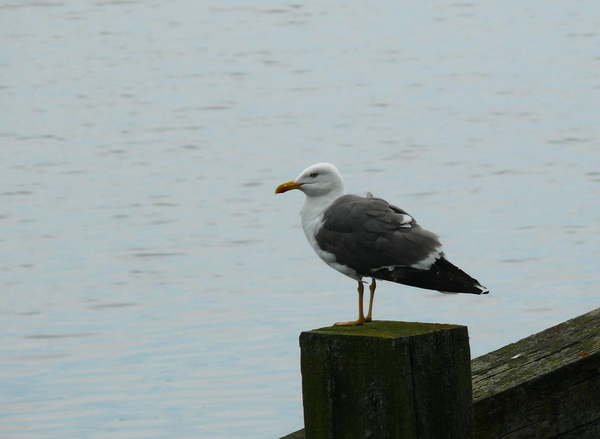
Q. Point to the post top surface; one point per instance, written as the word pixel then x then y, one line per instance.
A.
pixel 386 329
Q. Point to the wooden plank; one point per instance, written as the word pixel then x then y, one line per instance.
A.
pixel 544 386
pixel 387 380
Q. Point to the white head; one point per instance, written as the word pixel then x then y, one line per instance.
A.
pixel 321 179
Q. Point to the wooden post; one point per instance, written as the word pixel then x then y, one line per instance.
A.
pixel 387 380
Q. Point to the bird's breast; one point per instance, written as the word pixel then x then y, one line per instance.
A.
pixel 311 229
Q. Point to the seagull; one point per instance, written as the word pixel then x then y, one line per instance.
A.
pixel 368 237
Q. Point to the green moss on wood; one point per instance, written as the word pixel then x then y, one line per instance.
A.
pixel 387 380
pixel 386 329
pixel 543 386
pixel 536 355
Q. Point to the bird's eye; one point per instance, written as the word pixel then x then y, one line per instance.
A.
pixel 314 175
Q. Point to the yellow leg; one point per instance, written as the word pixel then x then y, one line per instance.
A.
pixel 361 315
pixel 372 290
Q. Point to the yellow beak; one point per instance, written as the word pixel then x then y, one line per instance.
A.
pixel 284 187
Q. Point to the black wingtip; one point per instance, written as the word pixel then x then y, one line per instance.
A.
pixel 442 276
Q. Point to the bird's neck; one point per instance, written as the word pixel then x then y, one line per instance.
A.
pixel 314 206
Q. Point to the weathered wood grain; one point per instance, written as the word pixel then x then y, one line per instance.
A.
pixel 387 380
pixel 544 386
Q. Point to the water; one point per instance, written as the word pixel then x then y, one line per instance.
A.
pixel 154 286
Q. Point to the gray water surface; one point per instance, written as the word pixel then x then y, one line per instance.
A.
pixel 154 286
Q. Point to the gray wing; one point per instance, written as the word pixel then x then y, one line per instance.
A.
pixel 367 234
